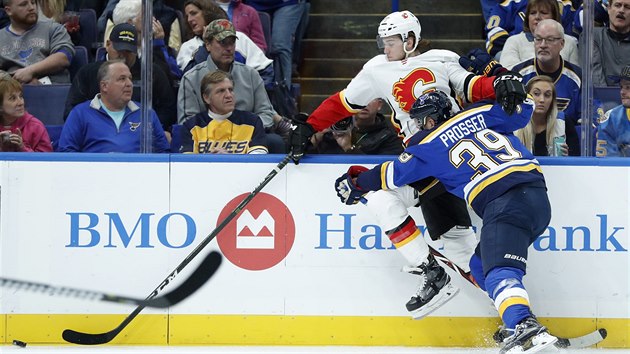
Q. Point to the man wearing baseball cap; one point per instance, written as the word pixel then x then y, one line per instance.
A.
pixel 123 45
pixel 613 134
pixel 249 90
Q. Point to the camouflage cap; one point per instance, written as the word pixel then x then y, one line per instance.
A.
pixel 219 30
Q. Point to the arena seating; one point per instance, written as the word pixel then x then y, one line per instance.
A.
pixel 46 102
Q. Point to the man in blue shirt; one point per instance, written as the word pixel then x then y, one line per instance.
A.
pixel 613 134
pixel 110 122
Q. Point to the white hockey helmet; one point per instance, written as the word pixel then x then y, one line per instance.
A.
pixel 400 23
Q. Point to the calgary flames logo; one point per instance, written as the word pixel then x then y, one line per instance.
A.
pixel 404 89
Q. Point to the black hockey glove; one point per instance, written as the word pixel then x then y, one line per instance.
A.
pixel 479 62
pixel 347 189
pixel 509 90
pixel 299 137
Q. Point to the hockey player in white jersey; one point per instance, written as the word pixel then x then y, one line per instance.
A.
pixel 400 76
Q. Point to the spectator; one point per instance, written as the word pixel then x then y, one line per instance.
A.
pixel 613 133
pixel 548 42
pixel 219 39
pixel 129 11
pixel 33 49
pixel 611 45
pixel 198 14
pixel 110 122
pixel 600 16
pixel 520 47
pixel 245 19
pixel 222 129
pixel 544 127
pixel 507 19
pixel 20 131
pixel 285 18
pixel 52 9
pixel 366 132
pixel 166 15
pixel 122 45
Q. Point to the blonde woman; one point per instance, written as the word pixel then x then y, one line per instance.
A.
pixel 545 129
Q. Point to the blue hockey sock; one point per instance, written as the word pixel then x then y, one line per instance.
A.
pixel 505 287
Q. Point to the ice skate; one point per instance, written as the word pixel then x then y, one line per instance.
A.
pixel 435 288
pixel 529 337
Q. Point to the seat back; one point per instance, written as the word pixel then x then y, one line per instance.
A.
pixel 80 58
pixel 46 102
pixel 87 23
pixel 609 96
pixel 54 132
pixel 101 54
pixel 176 138
pixel 265 21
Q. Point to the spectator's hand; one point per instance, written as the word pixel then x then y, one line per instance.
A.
pixel 564 149
pixel 158 30
pixel 509 90
pixel 299 137
pixel 5 143
pixel 11 141
pixel 344 139
pixel 479 62
pixel 219 151
pixel 24 75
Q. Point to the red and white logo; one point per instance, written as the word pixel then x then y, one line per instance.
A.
pixel 261 236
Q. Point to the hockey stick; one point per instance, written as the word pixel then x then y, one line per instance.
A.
pixel 584 341
pixel 200 276
pixel 102 338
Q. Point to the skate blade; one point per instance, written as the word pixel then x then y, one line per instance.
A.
pixel 446 294
pixel 539 342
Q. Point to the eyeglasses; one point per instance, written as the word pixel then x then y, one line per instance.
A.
pixel 550 40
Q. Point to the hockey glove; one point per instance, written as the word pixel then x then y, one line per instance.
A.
pixel 509 90
pixel 299 137
pixel 347 190
pixel 479 62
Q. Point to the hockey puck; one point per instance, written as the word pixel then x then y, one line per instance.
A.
pixel 19 343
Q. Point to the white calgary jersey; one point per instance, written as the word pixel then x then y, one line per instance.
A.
pixel 400 83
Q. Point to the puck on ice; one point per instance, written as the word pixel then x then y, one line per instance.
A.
pixel 19 343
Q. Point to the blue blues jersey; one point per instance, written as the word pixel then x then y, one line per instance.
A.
pixel 506 18
pixel 568 83
pixel 474 155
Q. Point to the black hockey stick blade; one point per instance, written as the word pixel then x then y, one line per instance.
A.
pixel 102 338
pixel 196 280
pixel 199 277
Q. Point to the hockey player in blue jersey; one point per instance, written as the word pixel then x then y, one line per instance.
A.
pixel 477 158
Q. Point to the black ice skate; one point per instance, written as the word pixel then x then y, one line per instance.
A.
pixel 435 288
pixel 529 337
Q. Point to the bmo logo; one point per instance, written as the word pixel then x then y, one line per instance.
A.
pixel 261 236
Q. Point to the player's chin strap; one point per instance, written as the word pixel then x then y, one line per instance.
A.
pixel 407 53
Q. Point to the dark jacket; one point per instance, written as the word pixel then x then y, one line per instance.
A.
pixel 379 139
pixel 85 87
